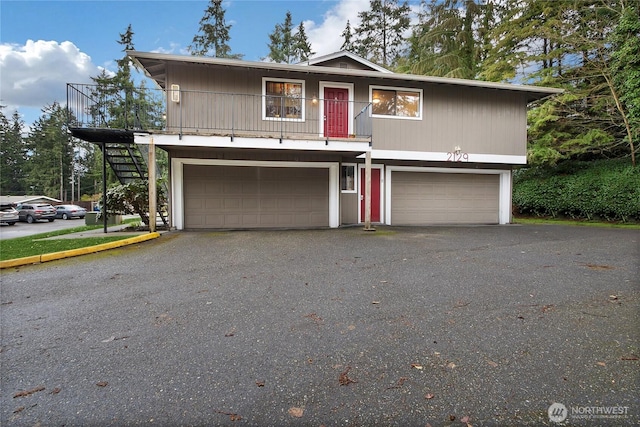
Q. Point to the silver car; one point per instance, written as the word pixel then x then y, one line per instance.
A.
pixel 8 215
pixel 32 212
pixel 70 211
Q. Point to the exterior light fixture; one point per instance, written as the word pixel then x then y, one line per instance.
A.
pixel 175 93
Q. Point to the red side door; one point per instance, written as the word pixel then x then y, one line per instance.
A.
pixel 336 112
pixel 375 194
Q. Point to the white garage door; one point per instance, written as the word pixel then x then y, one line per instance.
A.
pixel 421 198
pixel 254 197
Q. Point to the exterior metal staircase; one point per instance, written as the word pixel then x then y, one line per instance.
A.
pixel 129 164
pixel 90 118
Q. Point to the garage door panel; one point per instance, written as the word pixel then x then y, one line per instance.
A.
pixel 421 198
pixel 249 197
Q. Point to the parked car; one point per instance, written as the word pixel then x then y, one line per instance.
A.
pixel 31 212
pixel 8 214
pixel 70 211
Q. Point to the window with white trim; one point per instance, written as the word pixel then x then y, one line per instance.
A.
pixel 348 178
pixel 282 99
pixel 396 102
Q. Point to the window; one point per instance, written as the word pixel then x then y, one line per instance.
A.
pixel 396 102
pixel 348 178
pixel 283 99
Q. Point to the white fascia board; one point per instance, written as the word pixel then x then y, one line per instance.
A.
pixel 253 143
pixel 446 157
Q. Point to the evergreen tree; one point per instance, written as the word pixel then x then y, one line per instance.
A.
pixel 625 69
pixel 451 38
pixel 281 42
pixel 302 51
pixel 50 154
pixel 346 35
pixel 213 36
pixel 380 33
pixel 566 44
pixel 12 155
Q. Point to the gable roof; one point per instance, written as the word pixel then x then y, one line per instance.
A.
pixel 155 67
pixel 27 199
pixel 319 60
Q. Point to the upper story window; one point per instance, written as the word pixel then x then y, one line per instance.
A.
pixel 396 102
pixel 282 99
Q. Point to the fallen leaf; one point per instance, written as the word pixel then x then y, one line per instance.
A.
pixel 451 365
pixel 399 383
pixel 465 419
pixel 630 357
pixel 315 318
pixel 102 384
pixel 56 390
pixel 375 302
pixel 19 409
pixel 416 366
pixel 111 338
pixel 232 416
pixel 429 396
pixel 28 392
pixel 546 308
pixel 602 364
pixel 296 412
pixel 613 297
pixel 344 379
pixel 452 417
pixel 492 363
pixel 260 383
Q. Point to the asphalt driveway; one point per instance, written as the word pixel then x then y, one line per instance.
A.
pixel 404 326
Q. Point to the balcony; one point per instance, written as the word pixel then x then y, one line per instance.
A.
pixel 181 112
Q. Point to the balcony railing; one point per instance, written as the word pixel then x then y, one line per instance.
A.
pixel 213 113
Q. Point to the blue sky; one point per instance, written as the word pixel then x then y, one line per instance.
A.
pixel 45 44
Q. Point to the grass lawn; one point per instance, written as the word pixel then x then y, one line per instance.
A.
pixel 34 245
pixel 584 223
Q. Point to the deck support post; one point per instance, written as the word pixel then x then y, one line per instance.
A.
pixel 153 209
pixel 367 192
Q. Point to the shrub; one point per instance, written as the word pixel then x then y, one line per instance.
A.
pixel 603 189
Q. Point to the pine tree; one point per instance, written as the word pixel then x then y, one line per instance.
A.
pixel 13 153
pixel 380 35
pixel 302 50
pixel 213 35
pixel 346 35
pixel 281 42
pixel 451 38
pixel 50 153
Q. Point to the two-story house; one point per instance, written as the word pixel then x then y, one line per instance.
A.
pixel 256 144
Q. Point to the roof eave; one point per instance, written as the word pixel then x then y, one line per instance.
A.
pixel 534 93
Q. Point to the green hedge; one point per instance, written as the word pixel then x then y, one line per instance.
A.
pixel 603 189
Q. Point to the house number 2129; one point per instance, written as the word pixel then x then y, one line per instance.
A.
pixel 457 157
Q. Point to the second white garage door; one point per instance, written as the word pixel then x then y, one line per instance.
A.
pixel 255 197
pixel 422 198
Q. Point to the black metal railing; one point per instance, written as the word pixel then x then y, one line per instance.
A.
pixel 216 113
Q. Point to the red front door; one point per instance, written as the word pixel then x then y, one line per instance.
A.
pixel 336 112
pixel 375 194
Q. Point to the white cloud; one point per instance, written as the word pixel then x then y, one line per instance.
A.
pixel 326 37
pixel 36 73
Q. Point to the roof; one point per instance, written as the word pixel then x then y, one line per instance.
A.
pixel 345 54
pixel 26 199
pixel 155 67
